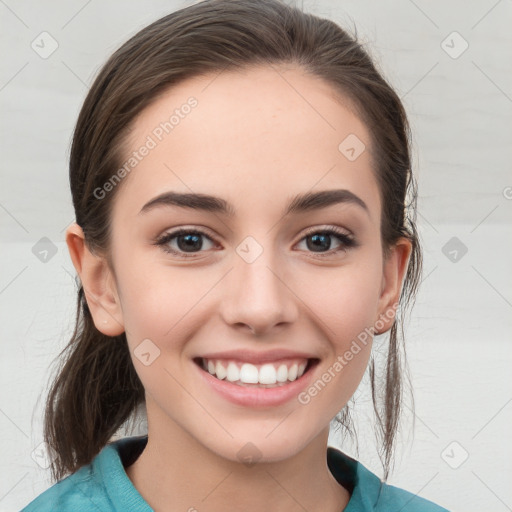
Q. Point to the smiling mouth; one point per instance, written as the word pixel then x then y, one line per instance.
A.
pixel 268 375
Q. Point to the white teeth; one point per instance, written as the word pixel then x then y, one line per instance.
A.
pixel 282 373
pixel 292 372
pixel 267 374
pixel 233 373
pixel 249 374
pixel 246 373
pixel 220 371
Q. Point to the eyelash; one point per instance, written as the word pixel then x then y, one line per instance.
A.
pixel 347 241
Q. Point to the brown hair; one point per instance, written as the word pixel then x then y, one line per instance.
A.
pixel 97 390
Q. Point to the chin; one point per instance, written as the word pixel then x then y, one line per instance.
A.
pixel 259 448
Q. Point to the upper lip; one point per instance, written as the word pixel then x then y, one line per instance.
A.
pixel 250 356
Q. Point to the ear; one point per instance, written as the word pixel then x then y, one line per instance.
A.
pixel 98 282
pixel 394 270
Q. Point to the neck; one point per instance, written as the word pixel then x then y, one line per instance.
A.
pixel 176 472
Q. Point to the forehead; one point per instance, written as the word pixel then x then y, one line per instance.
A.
pixel 254 136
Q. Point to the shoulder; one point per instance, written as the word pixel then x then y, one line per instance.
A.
pixel 394 498
pixel 79 492
pixel 369 493
pixel 388 498
pixel 101 485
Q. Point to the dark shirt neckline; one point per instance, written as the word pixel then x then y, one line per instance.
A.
pixel 342 466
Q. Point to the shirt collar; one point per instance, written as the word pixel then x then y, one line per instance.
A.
pixel 363 485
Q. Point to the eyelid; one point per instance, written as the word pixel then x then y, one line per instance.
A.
pixel 163 239
pixel 344 235
pixel 333 230
pixel 195 228
pixel 208 232
pixel 326 227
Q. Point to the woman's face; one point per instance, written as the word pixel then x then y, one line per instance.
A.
pixel 249 278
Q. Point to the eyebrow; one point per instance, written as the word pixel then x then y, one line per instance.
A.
pixel 298 204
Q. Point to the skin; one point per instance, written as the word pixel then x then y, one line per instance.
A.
pixel 256 138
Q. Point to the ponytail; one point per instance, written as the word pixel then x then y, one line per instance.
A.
pixel 96 391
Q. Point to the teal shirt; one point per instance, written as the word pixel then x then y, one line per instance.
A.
pixel 104 486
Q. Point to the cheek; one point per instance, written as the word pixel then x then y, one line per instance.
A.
pixel 345 298
pixel 159 301
pixel 347 312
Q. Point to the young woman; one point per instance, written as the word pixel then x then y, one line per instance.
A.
pixel 244 204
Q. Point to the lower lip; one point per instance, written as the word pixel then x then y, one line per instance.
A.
pixel 255 396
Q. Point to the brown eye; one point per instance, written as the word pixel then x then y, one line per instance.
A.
pixel 186 241
pixel 320 241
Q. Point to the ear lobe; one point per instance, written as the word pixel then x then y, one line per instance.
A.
pixel 98 283
pixel 394 271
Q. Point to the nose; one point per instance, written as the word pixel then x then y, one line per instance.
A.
pixel 258 296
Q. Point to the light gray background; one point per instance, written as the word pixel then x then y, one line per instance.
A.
pixel 459 338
